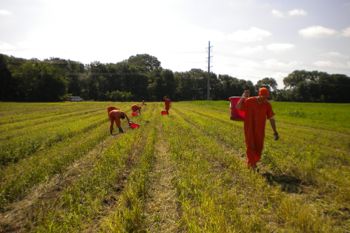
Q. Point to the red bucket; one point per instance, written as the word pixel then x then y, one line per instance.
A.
pixel 134 125
pixel 134 114
pixel 164 112
pixel 236 114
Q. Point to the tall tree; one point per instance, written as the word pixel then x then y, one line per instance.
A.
pixel 270 83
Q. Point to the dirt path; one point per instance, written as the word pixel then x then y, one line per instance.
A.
pixel 161 209
pixel 18 216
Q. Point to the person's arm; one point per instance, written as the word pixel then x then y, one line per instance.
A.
pixel 127 118
pixel 241 100
pixel 273 126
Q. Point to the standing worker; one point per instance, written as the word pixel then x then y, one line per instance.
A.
pixel 115 115
pixel 167 103
pixel 257 110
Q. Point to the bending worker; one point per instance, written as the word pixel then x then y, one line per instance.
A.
pixel 114 116
pixel 136 108
pixel 257 110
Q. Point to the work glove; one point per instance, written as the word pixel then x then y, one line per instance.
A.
pixel 276 136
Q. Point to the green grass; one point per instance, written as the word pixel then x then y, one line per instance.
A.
pixel 303 184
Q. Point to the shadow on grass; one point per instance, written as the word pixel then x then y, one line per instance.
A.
pixel 289 184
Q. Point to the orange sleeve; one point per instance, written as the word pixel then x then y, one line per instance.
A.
pixel 246 103
pixel 269 112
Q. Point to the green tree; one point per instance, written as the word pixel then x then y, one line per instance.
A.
pixel 270 83
pixel 7 83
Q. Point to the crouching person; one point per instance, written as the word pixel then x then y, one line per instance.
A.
pixel 115 116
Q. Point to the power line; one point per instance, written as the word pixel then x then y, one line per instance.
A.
pixel 208 82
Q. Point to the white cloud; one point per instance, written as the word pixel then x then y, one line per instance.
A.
pixel 294 12
pixel 317 32
pixel 280 47
pixel 275 64
pixel 334 54
pixel 250 50
pixel 253 34
pixel 5 12
pixel 297 12
pixel 6 46
pixel 277 13
pixel 332 64
pixel 323 63
pixel 346 32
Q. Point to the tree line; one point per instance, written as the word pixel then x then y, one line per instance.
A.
pixel 142 77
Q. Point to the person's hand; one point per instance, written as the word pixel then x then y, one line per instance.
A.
pixel 245 94
pixel 276 136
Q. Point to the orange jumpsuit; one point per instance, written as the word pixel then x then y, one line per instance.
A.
pixel 110 109
pixel 135 108
pixel 114 116
pixel 167 103
pixel 257 110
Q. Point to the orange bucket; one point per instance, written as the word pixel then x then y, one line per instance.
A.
pixel 236 114
pixel 134 125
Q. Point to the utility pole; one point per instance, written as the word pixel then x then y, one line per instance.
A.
pixel 208 83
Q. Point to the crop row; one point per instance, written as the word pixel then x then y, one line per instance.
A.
pixel 294 166
pixel 12 113
pixel 97 191
pixel 15 128
pixel 236 199
pixel 17 178
pixel 23 143
pixel 24 146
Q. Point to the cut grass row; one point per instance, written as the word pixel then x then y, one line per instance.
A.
pixel 12 113
pixel 324 137
pixel 45 135
pixel 236 200
pixel 67 112
pixel 127 215
pixel 287 162
pixel 15 128
pixel 334 153
pixel 24 146
pixel 96 191
pixel 17 178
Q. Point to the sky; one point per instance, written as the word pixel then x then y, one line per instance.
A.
pixel 250 39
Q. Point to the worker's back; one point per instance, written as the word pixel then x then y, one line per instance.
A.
pixel 257 110
pixel 115 114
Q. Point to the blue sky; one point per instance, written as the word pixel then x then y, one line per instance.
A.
pixel 251 39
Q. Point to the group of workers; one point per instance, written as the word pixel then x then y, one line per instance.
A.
pixel 115 114
pixel 256 108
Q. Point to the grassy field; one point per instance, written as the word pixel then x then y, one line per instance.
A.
pixel 61 171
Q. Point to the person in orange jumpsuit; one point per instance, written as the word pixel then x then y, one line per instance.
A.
pixel 115 115
pixel 257 110
pixel 167 103
pixel 136 108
